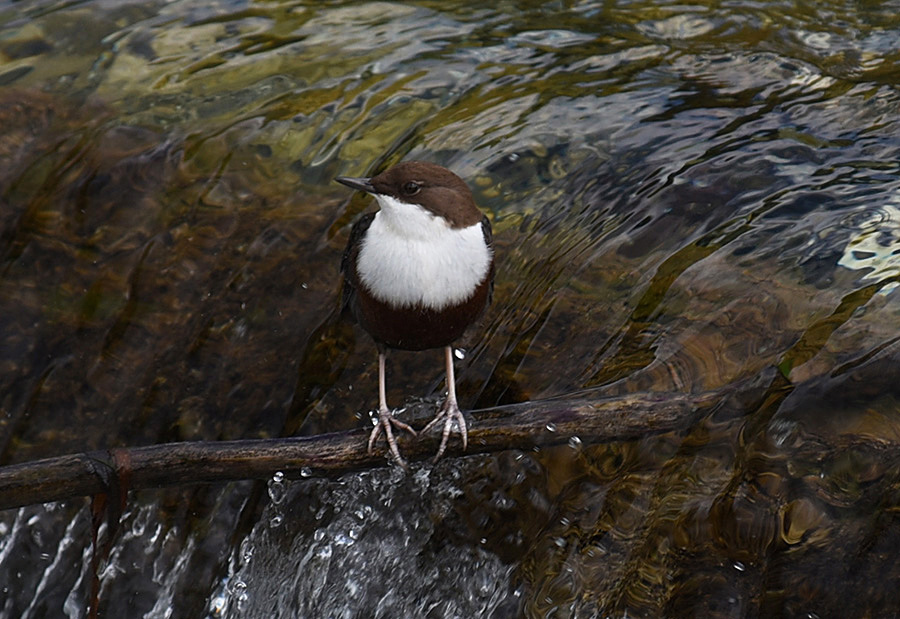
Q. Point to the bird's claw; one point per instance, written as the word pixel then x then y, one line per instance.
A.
pixel 449 414
pixel 386 422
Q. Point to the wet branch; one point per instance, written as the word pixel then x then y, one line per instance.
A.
pixel 517 426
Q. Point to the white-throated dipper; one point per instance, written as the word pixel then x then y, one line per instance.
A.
pixel 417 273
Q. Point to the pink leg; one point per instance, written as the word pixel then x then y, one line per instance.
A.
pixel 449 412
pixel 386 419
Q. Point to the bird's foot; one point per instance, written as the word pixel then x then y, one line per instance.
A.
pixel 386 424
pixel 449 415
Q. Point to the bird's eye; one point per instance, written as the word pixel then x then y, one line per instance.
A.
pixel 411 188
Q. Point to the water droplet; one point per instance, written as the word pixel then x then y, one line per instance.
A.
pixel 277 489
pixel 242 599
pixel 237 585
pixel 739 566
pixel 37 536
pixel 352 588
pixel 342 539
pixel 575 442
pixel 276 520
pixel 459 353
pixel 560 541
pixel 139 524
pixel 246 550
pixel 551 427
pixel 217 606
pixel 306 472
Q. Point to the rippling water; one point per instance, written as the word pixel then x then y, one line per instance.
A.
pixel 683 196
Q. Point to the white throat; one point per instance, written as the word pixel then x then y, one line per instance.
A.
pixel 412 257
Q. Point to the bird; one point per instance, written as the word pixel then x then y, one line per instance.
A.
pixel 417 273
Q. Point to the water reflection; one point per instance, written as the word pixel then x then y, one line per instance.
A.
pixel 682 197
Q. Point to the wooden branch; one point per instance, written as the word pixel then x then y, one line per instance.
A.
pixel 517 426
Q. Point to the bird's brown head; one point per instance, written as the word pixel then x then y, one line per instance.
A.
pixel 433 187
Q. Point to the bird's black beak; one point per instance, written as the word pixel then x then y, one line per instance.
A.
pixel 362 184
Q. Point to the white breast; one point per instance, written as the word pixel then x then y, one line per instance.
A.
pixel 412 257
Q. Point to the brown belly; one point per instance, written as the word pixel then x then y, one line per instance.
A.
pixel 417 328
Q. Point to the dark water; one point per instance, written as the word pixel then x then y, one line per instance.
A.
pixel 683 197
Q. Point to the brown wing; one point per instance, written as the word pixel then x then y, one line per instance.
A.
pixel 348 260
pixel 489 241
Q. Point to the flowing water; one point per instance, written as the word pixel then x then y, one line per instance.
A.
pixel 683 196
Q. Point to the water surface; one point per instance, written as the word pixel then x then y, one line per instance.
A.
pixel 683 197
